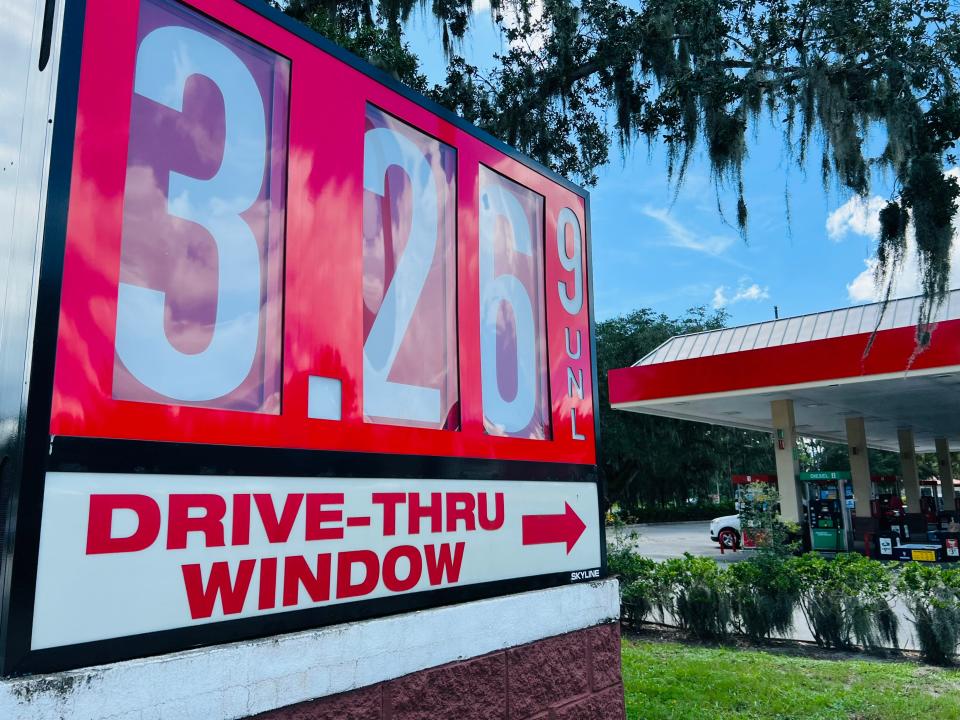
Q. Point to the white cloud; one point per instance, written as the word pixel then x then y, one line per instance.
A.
pixel 678 235
pixel 746 291
pixel 863 219
pixel 857 216
pixel 864 287
pixel 480 6
pixel 720 298
pixel 752 292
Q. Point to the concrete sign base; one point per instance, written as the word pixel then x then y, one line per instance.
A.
pixel 509 657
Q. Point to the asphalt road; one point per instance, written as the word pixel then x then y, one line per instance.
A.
pixel 668 540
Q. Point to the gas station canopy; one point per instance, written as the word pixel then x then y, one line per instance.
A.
pixel 820 362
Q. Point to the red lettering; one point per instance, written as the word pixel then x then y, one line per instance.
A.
pixel 418 512
pixel 440 563
pixel 460 506
pixel 268 583
pixel 296 572
pixel 391 579
pixel 389 502
pixel 240 530
pixel 496 522
pixel 232 594
pixel 180 524
pixel 316 516
pixel 278 531
pixel 100 538
pixel 371 573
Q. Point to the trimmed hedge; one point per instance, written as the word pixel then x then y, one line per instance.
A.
pixel 847 602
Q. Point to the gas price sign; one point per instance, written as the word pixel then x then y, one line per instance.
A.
pixel 322 350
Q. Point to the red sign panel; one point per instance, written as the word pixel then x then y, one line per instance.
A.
pixel 267 247
pixel 320 347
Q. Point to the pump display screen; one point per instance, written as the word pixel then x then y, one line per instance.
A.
pixel 320 346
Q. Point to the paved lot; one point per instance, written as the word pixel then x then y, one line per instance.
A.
pixel 667 540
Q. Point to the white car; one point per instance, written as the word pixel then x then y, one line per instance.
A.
pixel 726 531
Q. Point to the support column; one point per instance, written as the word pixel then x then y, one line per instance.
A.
pixel 860 475
pixel 784 451
pixel 911 480
pixel 946 474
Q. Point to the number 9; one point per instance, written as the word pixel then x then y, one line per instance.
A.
pixel 574 264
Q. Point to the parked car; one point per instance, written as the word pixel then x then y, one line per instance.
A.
pixel 726 531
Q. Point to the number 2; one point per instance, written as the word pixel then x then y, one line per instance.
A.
pixel 382 147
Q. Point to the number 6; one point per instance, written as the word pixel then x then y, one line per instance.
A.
pixel 511 416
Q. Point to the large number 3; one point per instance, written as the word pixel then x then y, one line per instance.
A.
pixel 383 398
pixel 512 416
pixel 166 58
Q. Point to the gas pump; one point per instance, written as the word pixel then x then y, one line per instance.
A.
pixel 828 510
pixel 888 510
pixel 930 500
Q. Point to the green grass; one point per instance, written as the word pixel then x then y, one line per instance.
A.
pixel 682 682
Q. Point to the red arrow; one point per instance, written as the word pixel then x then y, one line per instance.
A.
pixel 542 529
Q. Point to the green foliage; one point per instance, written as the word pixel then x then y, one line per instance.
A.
pixel 760 516
pixel 764 592
pixel 675 681
pixel 680 513
pixel 346 16
pixel 348 25
pixel 623 559
pixel 577 77
pixel 845 600
pixel 655 463
pixel 641 587
pixel 818 455
pixel 933 597
pixel 696 593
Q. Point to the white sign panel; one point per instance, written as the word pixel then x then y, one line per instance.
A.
pixel 123 554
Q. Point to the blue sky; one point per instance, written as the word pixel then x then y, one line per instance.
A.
pixel 654 248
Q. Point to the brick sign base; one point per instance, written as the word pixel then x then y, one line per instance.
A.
pixel 569 677
pixel 549 654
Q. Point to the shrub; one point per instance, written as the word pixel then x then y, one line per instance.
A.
pixel 760 517
pixel 764 592
pixel 639 587
pixel 695 592
pixel 622 558
pixel 846 599
pixel 642 595
pixel 933 597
